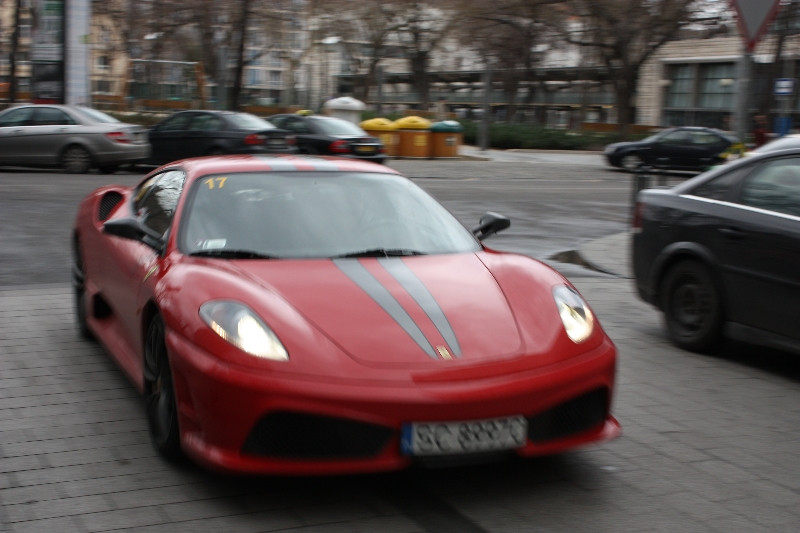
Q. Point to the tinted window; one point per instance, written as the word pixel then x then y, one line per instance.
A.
pixel 51 116
pixel 17 117
pixel 676 137
pixel 246 121
pixel 205 122
pixel 704 138
pixel 333 126
pixel 295 124
pixel 157 198
pixel 176 122
pixel 721 187
pixel 97 116
pixel 774 186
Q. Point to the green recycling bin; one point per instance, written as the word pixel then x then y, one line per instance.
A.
pixel 446 137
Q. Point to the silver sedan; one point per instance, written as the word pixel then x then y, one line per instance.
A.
pixel 74 138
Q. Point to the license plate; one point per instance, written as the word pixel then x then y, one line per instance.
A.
pixel 365 149
pixel 473 436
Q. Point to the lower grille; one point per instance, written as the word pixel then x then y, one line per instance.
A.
pixel 570 418
pixel 302 436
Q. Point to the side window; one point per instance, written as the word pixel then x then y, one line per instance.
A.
pixel 17 117
pixel 774 186
pixel 177 122
pixel 676 137
pixel 205 122
pixel 157 198
pixel 296 125
pixel 704 139
pixel 50 116
pixel 720 188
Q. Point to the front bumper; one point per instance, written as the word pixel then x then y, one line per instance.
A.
pixel 232 420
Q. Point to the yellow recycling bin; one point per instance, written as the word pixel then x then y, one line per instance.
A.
pixel 385 130
pixel 414 134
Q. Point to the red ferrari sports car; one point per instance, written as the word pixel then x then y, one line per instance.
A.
pixel 310 315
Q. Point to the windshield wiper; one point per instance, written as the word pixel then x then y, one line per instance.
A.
pixel 224 253
pixel 381 252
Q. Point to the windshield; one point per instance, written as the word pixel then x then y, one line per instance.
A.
pixel 247 121
pixel 317 215
pixel 97 116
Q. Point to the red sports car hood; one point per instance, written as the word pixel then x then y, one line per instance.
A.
pixel 399 311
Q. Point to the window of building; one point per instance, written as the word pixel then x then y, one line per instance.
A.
pixel 253 76
pixel 681 86
pixel 717 85
pixel 275 77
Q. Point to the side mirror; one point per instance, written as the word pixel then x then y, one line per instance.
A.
pixel 489 224
pixel 132 228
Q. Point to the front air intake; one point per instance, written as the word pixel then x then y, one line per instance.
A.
pixel 108 202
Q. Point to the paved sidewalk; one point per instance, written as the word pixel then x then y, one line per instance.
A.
pixel 609 254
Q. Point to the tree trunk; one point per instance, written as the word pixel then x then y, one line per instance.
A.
pixel 12 62
pixel 237 76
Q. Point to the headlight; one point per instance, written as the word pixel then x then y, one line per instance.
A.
pixel 239 325
pixel 575 314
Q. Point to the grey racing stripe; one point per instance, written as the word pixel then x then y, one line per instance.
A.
pixel 420 293
pixel 354 270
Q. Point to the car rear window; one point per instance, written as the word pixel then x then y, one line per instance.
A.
pixel 247 121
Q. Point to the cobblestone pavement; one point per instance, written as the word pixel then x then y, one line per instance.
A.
pixel 710 443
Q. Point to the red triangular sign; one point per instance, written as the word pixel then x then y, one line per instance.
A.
pixel 754 17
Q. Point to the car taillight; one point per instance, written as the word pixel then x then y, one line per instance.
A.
pixel 254 139
pixel 339 147
pixel 291 140
pixel 119 137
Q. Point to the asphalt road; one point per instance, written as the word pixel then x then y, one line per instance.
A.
pixel 709 444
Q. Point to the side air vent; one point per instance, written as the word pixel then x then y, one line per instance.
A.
pixel 107 204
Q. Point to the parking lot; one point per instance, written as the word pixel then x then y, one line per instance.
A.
pixel 710 442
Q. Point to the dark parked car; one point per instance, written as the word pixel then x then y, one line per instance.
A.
pixel 684 148
pixel 74 138
pixel 324 135
pixel 720 253
pixel 197 133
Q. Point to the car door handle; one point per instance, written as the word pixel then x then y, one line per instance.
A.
pixel 733 233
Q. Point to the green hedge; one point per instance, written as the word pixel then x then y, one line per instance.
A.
pixel 527 136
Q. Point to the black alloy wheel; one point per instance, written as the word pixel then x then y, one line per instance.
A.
pixel 159 390
pixel 692 306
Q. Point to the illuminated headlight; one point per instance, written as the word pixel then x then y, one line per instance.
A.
pixel 575 314
pixel 239 325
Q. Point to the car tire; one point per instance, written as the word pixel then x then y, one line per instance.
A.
pixel 159 390
pixel 631 162
pixel 692 306
pixel 215 151
pixel 79 292
pixel 76 160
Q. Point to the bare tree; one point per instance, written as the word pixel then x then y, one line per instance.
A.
pixel 510 36
pixel 421 29
pixel 12 56
pixel 622 35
